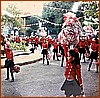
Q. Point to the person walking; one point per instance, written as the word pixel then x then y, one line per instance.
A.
pixel 87 46
pixel 27 41
pixel 64 54
pixel 55 50
pixel 81 48
pixel 36 42
pixel 73 84
pixel 94 53
pixel 45 51
pixel 41 41
pixel 9 62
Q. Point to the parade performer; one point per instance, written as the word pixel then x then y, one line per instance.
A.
pixel 64 51
pixel 31 39
pixel 36 42
pixel 45 51
pixel 73 83
pixel 87 53
pixel 55 50
pixel 59 47
pixel 26 41
pixel 41 41
pixel 49 42
pixel 89 39
pixel 9 62
pixel 94 53
pixel 17 39
pixel 81 48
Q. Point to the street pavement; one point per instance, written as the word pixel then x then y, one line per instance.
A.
pixel 42 80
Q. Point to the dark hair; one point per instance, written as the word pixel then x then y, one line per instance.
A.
pixel 75 55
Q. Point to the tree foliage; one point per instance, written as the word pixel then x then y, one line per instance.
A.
pixel 53 12
pixel 14 20
pixel 88 12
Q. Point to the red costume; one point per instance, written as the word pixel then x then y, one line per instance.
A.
pixel 45 45
pixel 86 43
pixel 50 41
pixel 9 62
pixel 55 46
pixel 81 44
pixel 94 46
pixel 90 41
pixel 18 39
pixel 36 40
pixel 31 39
pixel 42 40
pixel 73 73
pixel 45 51
pixel 27 40
pixel 65 50
pixel 9 53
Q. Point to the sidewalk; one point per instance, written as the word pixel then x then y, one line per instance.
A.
pixel 22 58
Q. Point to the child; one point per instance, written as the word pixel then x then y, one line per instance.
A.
pixel 73 83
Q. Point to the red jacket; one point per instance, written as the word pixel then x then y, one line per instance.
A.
pixel 36 40
pixel 55 46
pixel 94 46
pixel 27 40
pixel 90 41
pixel 81 44
pixel 45 45
pixel 65 47
pixel 9 53
pixel 73 73
pixel 18 39
pixel 86 43
pixel 42 40
pixel 50 41
pixel 31 39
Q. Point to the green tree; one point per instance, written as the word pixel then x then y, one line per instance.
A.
pixel 14 20
pixel 89 12
pixel 53 12
pixel 33 22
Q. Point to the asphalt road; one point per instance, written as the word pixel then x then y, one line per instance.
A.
pixel 38 80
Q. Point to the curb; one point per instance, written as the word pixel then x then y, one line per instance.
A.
pixel 25 63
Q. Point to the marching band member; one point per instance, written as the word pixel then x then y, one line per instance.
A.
pixel 9 62
pixel 94 53
pixel 81 47
pixel 73 83
pixel 45 51
pixel 55 50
